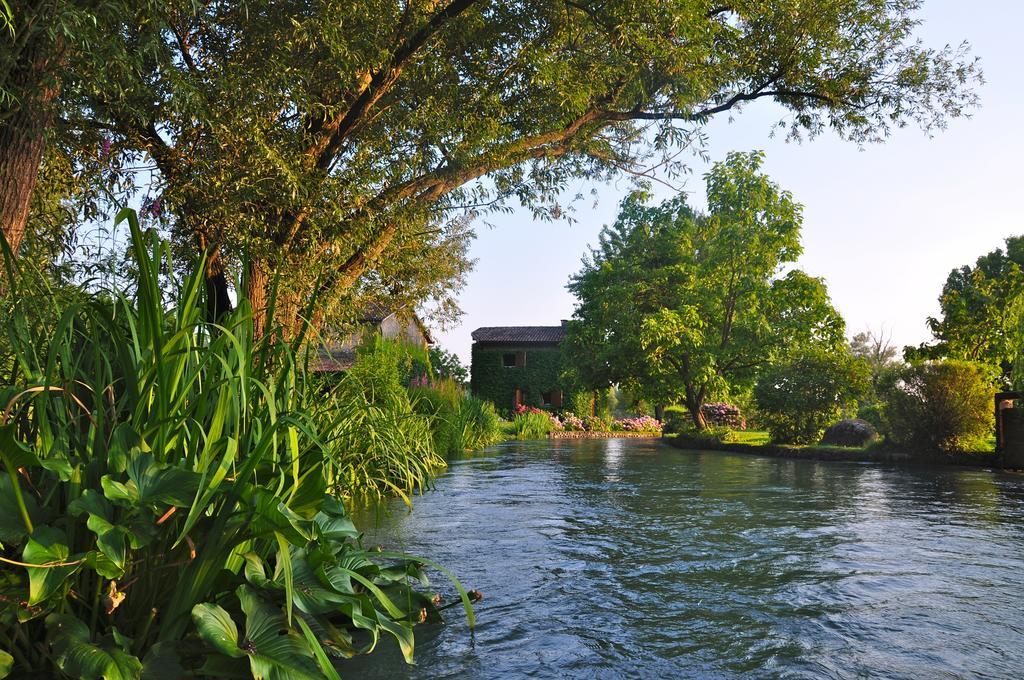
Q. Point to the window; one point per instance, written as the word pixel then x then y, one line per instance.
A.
pixel 513 359
pixel 545 398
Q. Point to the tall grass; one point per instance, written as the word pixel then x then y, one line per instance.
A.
pixel 378 444
pixel 532 425
pixel 460 421
pixel 170 496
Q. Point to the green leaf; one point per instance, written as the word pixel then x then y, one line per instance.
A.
pixel 15 453
pixel 47 546
pixel 162 662
pixel 6 663
pixel 12 526
pixel 275 650
pixel 326 667
pixel 333 522
pixel 79 657
pixel 216 627
pixel 402 632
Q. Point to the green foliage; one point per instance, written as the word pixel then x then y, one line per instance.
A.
pixel 448 365
pixel 459 421
pixel 497 383
pixel 532 425
pixel 678 306
pixel 333 141
pixel 165 479
pixel 399 360
pixel 378 444
pixel 940 405
pixel 799 398
pixel 983 314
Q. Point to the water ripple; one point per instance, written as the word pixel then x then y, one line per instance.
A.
pixel 617 559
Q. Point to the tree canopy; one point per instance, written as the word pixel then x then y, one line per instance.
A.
pixel 334 142
pixel 982 313
pixel 683 306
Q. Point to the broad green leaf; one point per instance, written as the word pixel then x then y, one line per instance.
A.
pixel 12 526
pixel 318 651
pixel 332 521
pixel 79 657
pixel 6 663
pixel 216 627
pixel 162 662
pixel 13 450
pixel 47 546
pixel 402 632
pixel 275 650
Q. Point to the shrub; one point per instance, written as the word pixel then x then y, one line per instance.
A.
pixel 596 424
pixel 638 424
pixel 168 481
pixel 533 425
pixel 797 400
pixel 375 439
pixel 939 405
pixel 850 432
pixel 571 422
pixel 723 415
pixel 677 419
pixel 459 421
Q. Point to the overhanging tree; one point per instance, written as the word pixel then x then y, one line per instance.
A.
pixel 313 136
pixel 683 306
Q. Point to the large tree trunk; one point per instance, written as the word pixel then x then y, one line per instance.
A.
pixel 694 400
pixel 23 133
pixel 257 291
pixel 218 301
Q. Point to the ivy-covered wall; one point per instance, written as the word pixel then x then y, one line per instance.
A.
pixel 493 381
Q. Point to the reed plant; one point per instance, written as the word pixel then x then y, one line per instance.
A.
pixel 459 421
pixel 532 425
pixel 170 503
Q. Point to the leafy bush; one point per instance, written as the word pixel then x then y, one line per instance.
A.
pixel 850 432
pixel 596 424
pixel 798 399
pixel 459 421
pixel 165 484
pixel 677 419
pixel 533 425
pixel 723 415
pixel 939 405
pixel 378 444
pixel 638 424
pixel 571 422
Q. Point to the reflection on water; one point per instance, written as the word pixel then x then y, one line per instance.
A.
pixel 623 558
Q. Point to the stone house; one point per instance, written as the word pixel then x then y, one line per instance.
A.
pixel 375 320
pixel 513 365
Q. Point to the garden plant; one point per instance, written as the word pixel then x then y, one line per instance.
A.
pixel 171 497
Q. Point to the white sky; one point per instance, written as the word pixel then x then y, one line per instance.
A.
pixel 883 225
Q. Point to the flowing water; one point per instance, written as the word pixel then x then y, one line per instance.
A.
pixel 626 558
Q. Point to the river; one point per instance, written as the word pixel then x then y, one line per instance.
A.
pixel 626 558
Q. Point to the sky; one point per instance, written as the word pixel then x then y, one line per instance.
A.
pixel 883 225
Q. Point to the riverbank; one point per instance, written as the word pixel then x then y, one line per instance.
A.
pixel 567 434
pixel 978 459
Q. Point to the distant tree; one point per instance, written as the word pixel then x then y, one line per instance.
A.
pixel 940 405
pixel 801 396
pixel 325 141
pixel 448 365
pixel 982 316
pixel 876 349
pixel 680 305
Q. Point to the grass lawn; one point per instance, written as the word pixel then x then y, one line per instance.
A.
pixel 756 437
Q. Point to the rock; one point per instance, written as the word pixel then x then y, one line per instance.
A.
pixel 850 432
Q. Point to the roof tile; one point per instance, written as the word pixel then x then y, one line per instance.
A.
pixel 512 334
